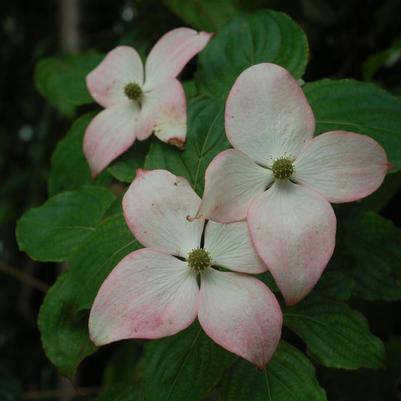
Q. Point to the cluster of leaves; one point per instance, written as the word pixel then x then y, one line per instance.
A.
pixel 82 224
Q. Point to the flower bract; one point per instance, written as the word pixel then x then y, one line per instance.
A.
pixel 281 178
pixel 139 100
pixel 154 292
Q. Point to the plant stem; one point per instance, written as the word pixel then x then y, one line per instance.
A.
pixel 23 277
pixel 57 393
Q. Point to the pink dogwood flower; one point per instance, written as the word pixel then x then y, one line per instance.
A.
pixel 140 100
pixel 281 178
pixel 153 292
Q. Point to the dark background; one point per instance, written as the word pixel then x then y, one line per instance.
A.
pixel 354 39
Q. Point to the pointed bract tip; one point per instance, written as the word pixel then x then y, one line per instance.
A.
pixel 93 339
pixel 290 301
pixel 193 218
pixel 94 174
pixel 139 172
pixel 208 34
pixel 390 166
pixel 260 367
pixel 178 142
pixel 88 83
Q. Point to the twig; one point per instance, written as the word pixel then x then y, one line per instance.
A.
pixel 57 393
pixel 69 16
pixel 23 277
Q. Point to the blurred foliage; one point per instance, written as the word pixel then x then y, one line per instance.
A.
pixel 356 39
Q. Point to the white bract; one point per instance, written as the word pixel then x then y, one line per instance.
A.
pixel 140 100
pixel 281 179
pixel 154 292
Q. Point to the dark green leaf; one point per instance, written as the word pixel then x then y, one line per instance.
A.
pixel 375 243
pixel 368 384
pixel 183 367
pixel 55 230
pixel 379 199
pixel 61 80
pixel 121 365
pixel 206 138
pixel 268 279
pixel 289 376
pixel 63 317
pixel 208 15
pixel 268 36
pixel 386 58
pixel 166 157
pixel 359 107
pixel 63 326
pixel 69 168
pixel 335 284
pixel 123 169
pixel 190 89
pixel 335 335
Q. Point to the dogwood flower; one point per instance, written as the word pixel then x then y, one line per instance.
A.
pixel 281 179
pixel 153 292
pixel 140 100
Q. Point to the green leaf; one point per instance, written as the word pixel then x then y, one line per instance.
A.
pixel 121 365
pixel 208 15
pixel 205 139
pixel 375 242
pixel 63 317
pixel 69 168
pixel 163 156
pixel 267 36
pixel 335 335
pixel 335 284
pixel 55 230
pixel 368 384
pixel 289 376
pixel 183 367
pixel 386 58
pixel 61 80
pixel 63 326
pixel 382 197
pixel 190 89
pixel 360 107
pixel 124 168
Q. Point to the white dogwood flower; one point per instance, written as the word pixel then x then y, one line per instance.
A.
pixel 139 100
pixel 154 292
pixel 281 179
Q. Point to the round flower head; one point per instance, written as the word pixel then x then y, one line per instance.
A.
pixel 140 100
pixel 281 179
pixel 154 292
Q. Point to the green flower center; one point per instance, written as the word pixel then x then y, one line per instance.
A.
pixel 199 260
pixel 133 91
pixel 282 168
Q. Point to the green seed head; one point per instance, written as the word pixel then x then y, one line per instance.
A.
pixel 199 260
pixel 133 91
pixel 282 168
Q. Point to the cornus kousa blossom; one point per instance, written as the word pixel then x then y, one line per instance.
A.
pixel 154 292
pixel 281 178
pixel 140 100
